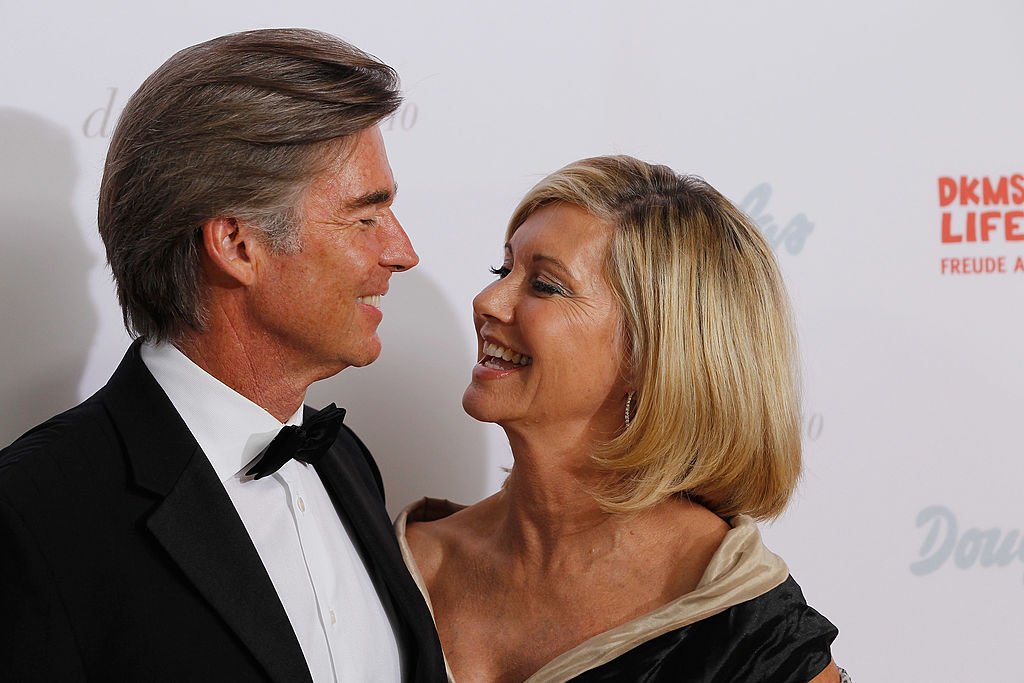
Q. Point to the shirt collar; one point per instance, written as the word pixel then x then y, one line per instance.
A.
pixel 231 429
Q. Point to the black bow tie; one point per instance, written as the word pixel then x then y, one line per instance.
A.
pixel 307 443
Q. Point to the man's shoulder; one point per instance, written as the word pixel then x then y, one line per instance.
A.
pixel 352 443
pixel 57 452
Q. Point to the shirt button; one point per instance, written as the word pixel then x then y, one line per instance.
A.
pixel 301 503
pixel 334 618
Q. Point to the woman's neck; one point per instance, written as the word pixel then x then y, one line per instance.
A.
pixel 547 514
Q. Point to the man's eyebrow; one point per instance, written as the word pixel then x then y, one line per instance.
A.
pixel 372 199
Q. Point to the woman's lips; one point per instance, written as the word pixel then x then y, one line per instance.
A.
pixel 491 367
pixel 500 354
pixel 499 363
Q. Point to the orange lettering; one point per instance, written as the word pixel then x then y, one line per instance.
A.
pixel 988 223
pixel 968 191
pixel 999 194
pixel 947 229
pixel 1014 227
pixel 947 190
pixel 1017 182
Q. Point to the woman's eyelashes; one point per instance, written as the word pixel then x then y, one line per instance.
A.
pixel 538 285
pixel 545 287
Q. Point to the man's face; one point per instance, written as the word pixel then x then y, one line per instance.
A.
pixel 320 306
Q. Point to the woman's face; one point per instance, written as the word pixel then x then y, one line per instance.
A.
pixel 553 317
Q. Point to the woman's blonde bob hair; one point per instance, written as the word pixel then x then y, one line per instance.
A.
pixel 710 342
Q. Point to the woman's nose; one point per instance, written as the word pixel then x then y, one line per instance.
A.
pixel 496 301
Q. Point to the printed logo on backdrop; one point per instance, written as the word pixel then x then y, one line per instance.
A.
pixel 789 236
pixel 982 211
pixel 948 545
pixel 100 122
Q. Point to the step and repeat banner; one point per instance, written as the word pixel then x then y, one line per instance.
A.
pixel 877 144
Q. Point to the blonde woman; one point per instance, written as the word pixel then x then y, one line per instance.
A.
pixel 637 349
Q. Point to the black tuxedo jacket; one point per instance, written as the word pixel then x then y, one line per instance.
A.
pixel 123 559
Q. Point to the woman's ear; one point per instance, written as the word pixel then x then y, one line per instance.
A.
pixel 228 249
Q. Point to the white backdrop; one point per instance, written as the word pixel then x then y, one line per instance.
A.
pixel 832 125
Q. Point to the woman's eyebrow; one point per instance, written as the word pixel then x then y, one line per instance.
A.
pixel 553 261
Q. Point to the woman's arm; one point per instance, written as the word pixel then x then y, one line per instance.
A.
pixel 829 675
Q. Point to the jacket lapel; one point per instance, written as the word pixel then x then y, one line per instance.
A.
pixel 199 528
pixel 354 492
pixel 196 522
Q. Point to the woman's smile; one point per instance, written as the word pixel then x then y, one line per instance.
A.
pixel 548 342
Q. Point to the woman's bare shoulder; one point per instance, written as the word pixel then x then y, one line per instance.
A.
pixel 688 535
pixel 437 530
pixel 829 675
pixel 426 547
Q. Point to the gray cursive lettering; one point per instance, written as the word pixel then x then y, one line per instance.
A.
pixel 792 237
pixel 939 516
pixel 974 547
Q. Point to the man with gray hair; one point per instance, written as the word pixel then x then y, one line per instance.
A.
pixel 192 521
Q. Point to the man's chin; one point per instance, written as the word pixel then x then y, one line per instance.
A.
pixel 366 355
pixel 340 361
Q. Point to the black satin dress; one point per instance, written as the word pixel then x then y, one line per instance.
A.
pixel 774 638
pixel 745 622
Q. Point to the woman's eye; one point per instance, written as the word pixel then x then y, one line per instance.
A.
pixel 546 287
pixel 500 272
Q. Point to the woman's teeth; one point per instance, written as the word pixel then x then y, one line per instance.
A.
pixel 493 351
pixel 370 300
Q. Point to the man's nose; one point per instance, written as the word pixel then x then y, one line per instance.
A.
pixel 398 254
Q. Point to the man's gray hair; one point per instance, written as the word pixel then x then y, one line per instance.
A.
pixel 235 127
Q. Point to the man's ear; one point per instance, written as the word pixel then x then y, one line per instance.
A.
pixel 229 248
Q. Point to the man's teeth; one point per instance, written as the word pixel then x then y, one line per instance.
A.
pixel 369 300
pixel 509 355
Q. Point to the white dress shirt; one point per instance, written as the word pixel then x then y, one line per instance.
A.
pixel 329 597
